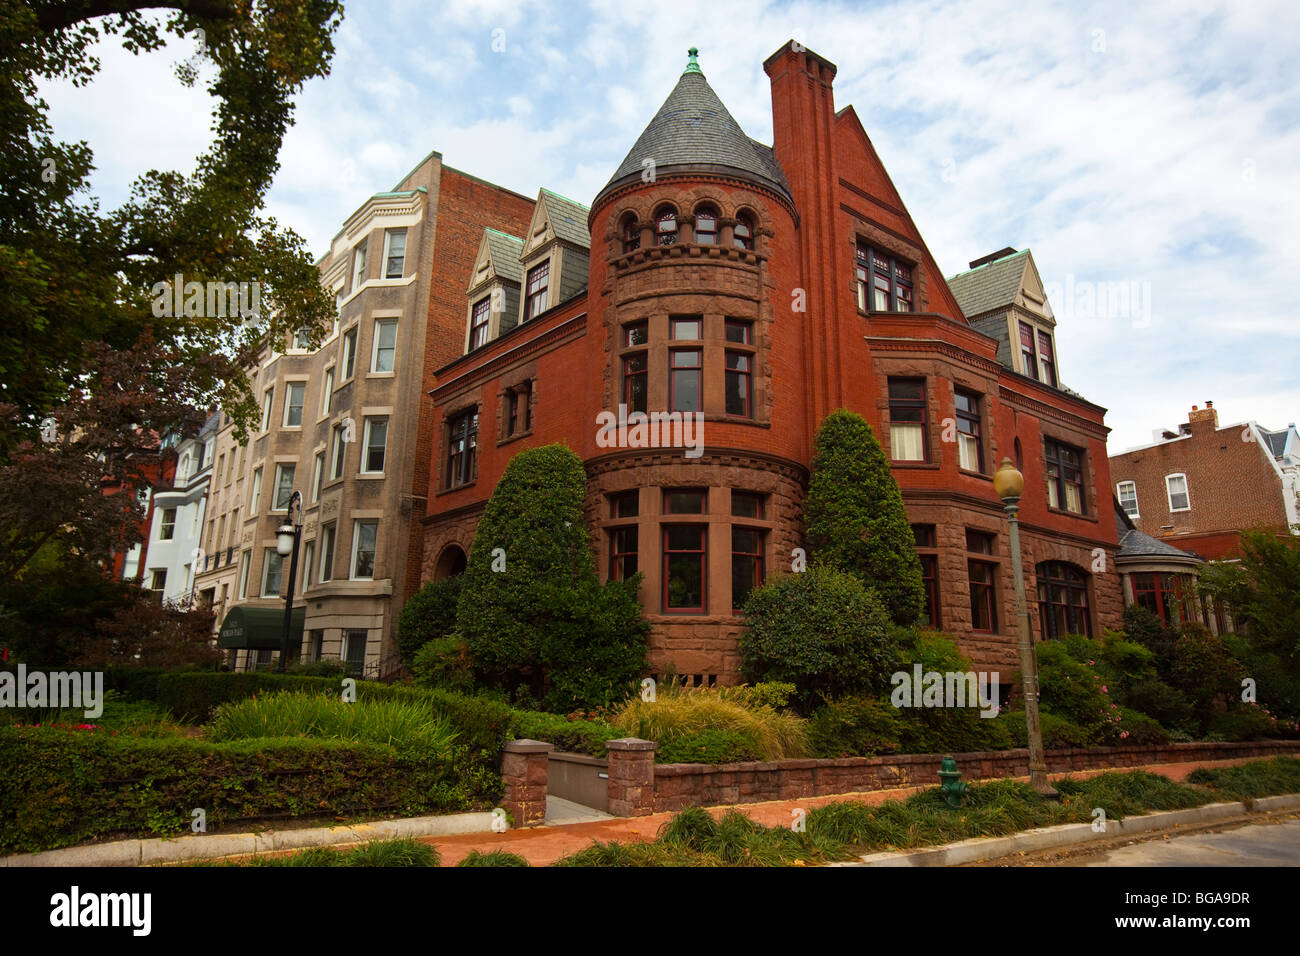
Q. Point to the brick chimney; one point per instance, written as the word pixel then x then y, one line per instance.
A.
pixel 1208 414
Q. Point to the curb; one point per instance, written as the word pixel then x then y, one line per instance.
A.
pixel 207 847
pixel 1046 838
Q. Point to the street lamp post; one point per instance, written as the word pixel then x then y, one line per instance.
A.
pixel 287 538
pixel 1009 485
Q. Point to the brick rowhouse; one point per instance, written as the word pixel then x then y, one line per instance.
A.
pixel 765 288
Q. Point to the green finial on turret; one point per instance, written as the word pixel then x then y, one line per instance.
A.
pixel 693 66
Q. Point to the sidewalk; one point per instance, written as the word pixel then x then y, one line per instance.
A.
pixel 542 846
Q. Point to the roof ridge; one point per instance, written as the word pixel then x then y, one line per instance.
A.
pixel 552 192
pixel 1022 252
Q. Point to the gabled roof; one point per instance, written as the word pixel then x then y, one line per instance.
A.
pixel 568 218
pixel 693 128
pixel 504 250
pixel 993 285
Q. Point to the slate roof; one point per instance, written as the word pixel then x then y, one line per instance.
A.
pixel 505 250
pixel 568 219
pixel 1134 544
pixel 991 286
pixel 693 128
pixel 1276 441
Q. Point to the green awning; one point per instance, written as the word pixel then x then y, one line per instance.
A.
pixel 260 628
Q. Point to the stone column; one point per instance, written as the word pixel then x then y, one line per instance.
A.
pixel 523 771
pixel 631 777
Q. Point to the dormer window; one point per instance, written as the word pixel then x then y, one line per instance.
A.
pixel 631 234
pixel 478 330
pixel 1040 362
pixel 706 226
pixel 884 282
pixel 539 278
pixel 743 232
pixel 666 226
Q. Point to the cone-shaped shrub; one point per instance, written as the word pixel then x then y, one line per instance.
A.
pixel 532 610
pixel 855 519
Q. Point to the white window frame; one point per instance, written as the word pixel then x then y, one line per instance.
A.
pixel 338 453
pixel 359 264
pixel 308 554
pixel 245 563
pixel 162 524
pixel 350 352
pixel 327 393
pixel 268 403
pixel 255 499
pixel 302 408
pixel 374 347
pixel 388 245
pixel 356 540
pixel 1169 494
pixel 275 492
pixel 266 570
pixel 317 476
pixel 1119 494
pixel 365 447
pixel 328 533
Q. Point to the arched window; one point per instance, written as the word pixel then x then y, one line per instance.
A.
pixel 744 231
pixel 666 226
pixel 1063 600
pixel 706 226
pixel 631 234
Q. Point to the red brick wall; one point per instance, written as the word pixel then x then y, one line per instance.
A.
pixel 677 786
pixel 1231 486
pixel 461 208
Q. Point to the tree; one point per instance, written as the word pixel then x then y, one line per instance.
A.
pixel 88 343
pixel 855 518
pixel 532 610
pixel 822 631
pixel 1263 589
pixel 149 633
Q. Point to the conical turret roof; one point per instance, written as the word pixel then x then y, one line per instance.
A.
pixel 693 129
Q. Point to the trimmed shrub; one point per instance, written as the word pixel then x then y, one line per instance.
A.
pixel 322 668
pixel 546 621
pixel 679 712
pixel 855 517
pixel 1251 722
pixel 574 736
pixel 429 614
pixel 67 787
pixel 1073 691
pixel 854 727
pixel 444 662
pixel 941 729
pixel 1058 732
pixel 821 631
pixel 1138 728
pixel 713 746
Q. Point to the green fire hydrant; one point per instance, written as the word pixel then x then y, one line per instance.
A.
pixel 954 791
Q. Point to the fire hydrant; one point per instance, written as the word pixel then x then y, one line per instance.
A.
pixel 954 791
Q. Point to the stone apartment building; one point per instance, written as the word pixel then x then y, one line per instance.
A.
pixel 763 287
pixel 347 425
pixel 1198 487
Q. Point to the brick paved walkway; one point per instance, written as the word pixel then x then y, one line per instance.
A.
pixel 542 846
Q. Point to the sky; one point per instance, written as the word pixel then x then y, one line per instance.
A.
pixel 1146 154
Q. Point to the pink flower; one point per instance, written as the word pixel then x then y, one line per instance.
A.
pixel 1123 734
pixel 1103 688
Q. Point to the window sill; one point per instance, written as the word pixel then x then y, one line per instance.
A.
pixel 455 488
pixel 919 465
pixel 975 474
pixel 1071 514
pixel 370 476
pixel 381 375
pixel 515 437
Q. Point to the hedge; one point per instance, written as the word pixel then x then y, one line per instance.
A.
pixel 67 787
